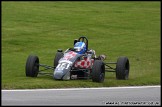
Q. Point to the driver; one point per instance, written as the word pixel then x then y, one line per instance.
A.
pixel 80 47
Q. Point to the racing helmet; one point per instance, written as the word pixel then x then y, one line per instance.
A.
pixel 80 47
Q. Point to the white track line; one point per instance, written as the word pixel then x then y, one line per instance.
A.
pixel 83 88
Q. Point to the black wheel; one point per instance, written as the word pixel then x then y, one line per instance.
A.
pixel 58 56
pixel 98 71
pixel 122 68
pixel 32 66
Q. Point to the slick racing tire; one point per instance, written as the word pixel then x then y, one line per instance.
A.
pixel 32 66
pixel 58 56
pixel 98 71
pixel 122 68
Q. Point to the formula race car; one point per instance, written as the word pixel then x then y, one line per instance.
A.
pixel 78 62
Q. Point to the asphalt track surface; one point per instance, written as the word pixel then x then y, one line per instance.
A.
pixel 105 96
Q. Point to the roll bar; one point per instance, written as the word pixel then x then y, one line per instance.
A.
pixel 85 40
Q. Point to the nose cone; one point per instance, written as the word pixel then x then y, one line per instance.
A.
pixel 58 75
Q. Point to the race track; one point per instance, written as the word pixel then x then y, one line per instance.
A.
pixel 144 95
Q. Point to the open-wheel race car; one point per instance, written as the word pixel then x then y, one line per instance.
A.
pixel 78 62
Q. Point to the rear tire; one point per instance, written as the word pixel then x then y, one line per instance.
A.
pixel 58 56
pixel 98 71
pixel 32 66
pixel 122 68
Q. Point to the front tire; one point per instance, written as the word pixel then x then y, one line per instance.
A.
pixel 98 71
pixel 32 66
pixel 122 68
pixel 58 56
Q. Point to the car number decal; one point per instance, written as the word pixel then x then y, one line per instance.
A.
pixel 63 65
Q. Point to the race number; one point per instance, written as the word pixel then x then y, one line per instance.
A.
pixel 63 65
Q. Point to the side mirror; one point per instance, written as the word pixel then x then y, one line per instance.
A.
pixel 59 50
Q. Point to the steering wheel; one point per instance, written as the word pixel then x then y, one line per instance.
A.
pixel 85 40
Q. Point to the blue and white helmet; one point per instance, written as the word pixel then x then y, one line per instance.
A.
pixel 80 47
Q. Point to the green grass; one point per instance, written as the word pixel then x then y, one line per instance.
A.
pixel 115 29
